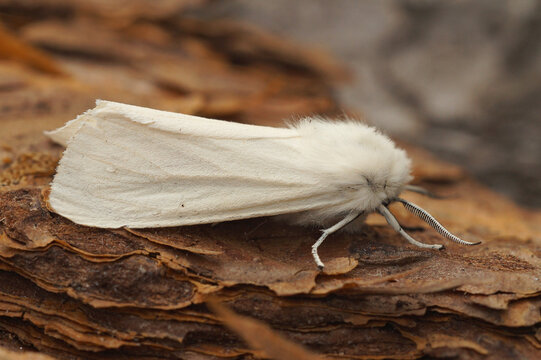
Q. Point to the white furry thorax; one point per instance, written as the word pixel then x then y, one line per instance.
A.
pixel 359 163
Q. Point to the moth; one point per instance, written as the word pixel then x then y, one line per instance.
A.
pixel 129 166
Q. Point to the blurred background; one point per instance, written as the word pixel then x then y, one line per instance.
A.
pixel 460 78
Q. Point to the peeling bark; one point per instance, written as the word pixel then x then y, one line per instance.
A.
pixel 75 292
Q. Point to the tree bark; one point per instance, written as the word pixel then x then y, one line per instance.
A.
pixel 244 289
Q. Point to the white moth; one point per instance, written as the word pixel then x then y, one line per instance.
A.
pixel 129 166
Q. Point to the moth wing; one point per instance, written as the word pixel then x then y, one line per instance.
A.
pixel 161 120
pixel 136 167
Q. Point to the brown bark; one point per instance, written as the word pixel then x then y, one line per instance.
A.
pixel 76 292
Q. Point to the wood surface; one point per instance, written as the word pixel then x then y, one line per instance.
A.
pixel 244 289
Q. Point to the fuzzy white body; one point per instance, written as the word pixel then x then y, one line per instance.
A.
pixel 136 167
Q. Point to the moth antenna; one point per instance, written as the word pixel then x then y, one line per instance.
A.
pixel 429 219
pixel 391 220
pixel 421 190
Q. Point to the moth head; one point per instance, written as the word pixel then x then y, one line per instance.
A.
pixel 384 190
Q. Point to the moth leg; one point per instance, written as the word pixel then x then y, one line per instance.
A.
pixel 391 220
pixel 351 216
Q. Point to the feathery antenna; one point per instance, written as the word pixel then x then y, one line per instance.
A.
pixel 429 219
pixel 391 220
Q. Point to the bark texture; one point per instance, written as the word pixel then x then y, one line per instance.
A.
pixel 244 289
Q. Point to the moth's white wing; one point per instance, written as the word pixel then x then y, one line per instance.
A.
pixel 136 167
pixel 162 120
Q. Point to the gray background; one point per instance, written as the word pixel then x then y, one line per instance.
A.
pixel 461 78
